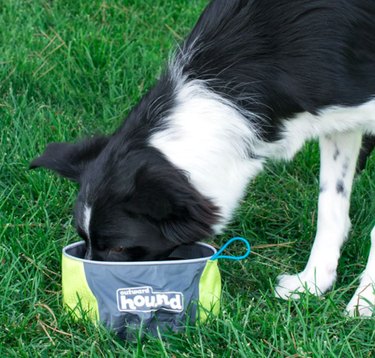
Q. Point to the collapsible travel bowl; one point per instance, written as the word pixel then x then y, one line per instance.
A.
pixel 152 295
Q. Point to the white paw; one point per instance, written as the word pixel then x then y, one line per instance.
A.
pixel 290 286
pixel 363 302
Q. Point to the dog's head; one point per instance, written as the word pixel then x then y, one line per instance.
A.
pixel 133 204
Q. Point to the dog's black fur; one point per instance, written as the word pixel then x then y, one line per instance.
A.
pixel 278 58
pixel 270 58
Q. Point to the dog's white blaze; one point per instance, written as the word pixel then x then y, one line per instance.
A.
pixel 86 220
pixel 209 139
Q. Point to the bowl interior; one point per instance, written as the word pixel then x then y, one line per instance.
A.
pixel 183 252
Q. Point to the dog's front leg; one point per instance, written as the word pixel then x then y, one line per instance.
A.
pixel 338 154
pixel 363 301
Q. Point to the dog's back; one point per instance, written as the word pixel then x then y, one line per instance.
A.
pixel 278 58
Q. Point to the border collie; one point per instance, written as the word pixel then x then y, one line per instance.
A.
pixel 253 81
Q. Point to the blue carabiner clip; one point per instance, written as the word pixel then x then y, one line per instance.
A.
pixel 219 255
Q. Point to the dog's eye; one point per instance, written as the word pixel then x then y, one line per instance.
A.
pixel 118 249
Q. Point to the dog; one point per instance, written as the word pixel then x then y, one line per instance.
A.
pixel 252 82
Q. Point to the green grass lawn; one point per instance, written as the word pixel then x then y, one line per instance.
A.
pixel 70 68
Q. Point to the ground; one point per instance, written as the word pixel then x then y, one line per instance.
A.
pixel 73 68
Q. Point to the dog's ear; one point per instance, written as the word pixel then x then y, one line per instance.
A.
pixel 169 200
pixel 69 160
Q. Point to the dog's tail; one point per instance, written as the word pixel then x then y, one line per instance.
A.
pixel 368 145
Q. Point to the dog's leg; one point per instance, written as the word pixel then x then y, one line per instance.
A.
pixel 338 155
pixel 363 301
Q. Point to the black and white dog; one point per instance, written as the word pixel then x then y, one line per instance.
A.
pixel 253 81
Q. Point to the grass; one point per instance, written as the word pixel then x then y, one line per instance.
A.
pixel 72 68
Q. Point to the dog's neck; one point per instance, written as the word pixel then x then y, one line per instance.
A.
pixel 211 141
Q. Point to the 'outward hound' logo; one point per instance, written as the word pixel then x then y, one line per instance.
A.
pixel 144 299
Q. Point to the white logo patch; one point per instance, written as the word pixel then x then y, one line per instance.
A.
pixel 144 299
